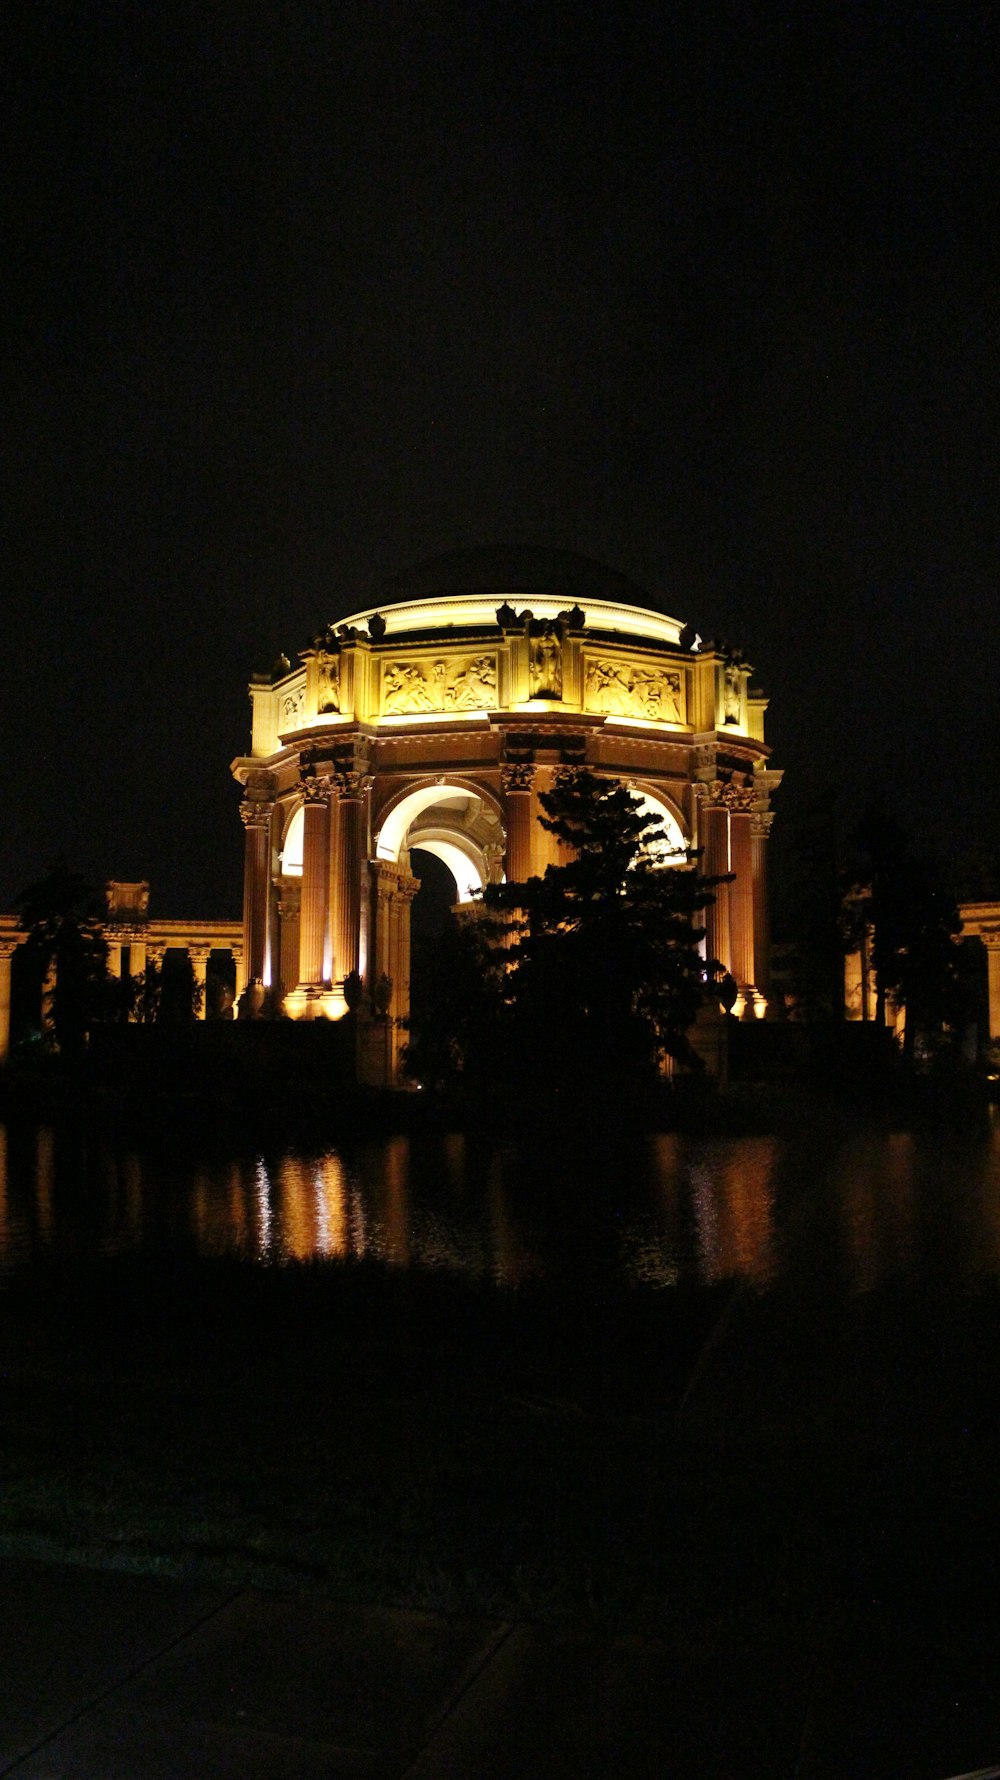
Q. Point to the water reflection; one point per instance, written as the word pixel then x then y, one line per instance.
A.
pixel 732 1189
pixel 860 1209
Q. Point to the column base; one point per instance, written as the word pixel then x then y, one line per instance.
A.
pixel 315 1001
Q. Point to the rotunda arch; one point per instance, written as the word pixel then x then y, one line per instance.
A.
pixel 674 842
pixel 293 844
pixel 452 818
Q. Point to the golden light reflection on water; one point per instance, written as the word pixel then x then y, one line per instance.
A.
pixel 732 1195
pixel 396 1218
pixel 871 1208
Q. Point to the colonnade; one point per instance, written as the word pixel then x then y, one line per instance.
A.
pixel 314 932
pixel 141 942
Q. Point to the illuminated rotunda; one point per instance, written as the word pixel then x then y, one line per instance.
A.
pixel 436 719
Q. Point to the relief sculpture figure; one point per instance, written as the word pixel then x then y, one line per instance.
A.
pixel 658 695
pixel 328 690
pixel 474 687
pixel 291 709
pixel 731 697
pixel 545 664
pixel 620 690
pixel 405 688
pixel 608 689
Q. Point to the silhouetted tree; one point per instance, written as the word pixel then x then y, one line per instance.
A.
pixel 810 912
pixel 62 915
pixel 606 968
pixel 457 1011
pixel 900 897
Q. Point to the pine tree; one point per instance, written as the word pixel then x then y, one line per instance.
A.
pixel 606 966
pixel 62 915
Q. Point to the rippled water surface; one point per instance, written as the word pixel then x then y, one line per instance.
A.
pixel 857 1208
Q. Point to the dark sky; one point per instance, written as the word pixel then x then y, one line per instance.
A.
pixel 304 293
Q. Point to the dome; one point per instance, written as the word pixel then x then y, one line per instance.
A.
pixel 512 568
pixel 463 589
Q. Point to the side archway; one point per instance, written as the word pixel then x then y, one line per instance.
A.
pixel 672 847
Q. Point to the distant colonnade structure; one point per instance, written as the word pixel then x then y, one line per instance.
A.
pixel 133 939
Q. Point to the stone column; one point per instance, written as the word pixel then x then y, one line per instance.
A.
pixel 760 828
pixel 7 949
pixel 713 839
pixel 155 953
pixel 741 902
pixel 394 892
pixel 516 780
pixel 289 908
pixel 137 957
pixel 315 881
pixel 384 887
pixel 993 965
pixel 199 964
pixel 114 958
pixel 406 890
pixel 255 814
pixel 346 867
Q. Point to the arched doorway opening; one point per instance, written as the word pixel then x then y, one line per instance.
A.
pixel 448 837
pixel 458 823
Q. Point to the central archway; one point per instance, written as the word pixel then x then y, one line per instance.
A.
pixel 459 823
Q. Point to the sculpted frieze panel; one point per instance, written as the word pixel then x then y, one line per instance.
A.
pixel 291 709
pixel 626 689
pixel 454 683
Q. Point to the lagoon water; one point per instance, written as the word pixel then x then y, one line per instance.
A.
pixel 851 1208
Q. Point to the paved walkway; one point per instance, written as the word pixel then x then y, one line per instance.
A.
pixel 110 1676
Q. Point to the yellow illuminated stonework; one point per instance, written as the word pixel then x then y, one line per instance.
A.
pixel 435 720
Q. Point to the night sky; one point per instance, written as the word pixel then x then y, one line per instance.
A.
pixel 300 294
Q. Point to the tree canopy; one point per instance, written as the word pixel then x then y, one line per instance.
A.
pixel 62 915
pixel 900 897
pixel 605 966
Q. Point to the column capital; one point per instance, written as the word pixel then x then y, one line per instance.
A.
pixel 255 812
pixel 8 947
pixel 735 793
pixel 517 775
pixel 350 786
pixel 315 787
pixel 761 823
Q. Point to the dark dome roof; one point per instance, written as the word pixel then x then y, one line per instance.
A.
pixel 512 568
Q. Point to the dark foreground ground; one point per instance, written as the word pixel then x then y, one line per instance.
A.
pixel 685 1532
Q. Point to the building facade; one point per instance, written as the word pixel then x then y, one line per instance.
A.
pixel 436 720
